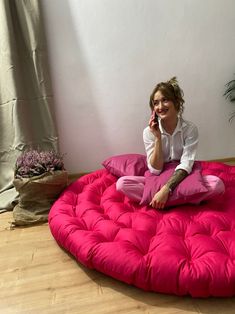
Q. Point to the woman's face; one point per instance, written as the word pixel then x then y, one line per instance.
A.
pixel 164 108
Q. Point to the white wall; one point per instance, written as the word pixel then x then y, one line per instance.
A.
pixel 107 55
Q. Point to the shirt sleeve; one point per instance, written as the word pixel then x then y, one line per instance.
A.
pixel 189 149
pixel 149 140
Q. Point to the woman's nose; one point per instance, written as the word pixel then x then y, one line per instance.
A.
pixel 160 105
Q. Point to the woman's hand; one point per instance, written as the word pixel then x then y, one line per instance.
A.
pixel 154 126
pixel 160 198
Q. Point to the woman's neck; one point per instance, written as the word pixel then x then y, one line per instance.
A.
pixel 170 125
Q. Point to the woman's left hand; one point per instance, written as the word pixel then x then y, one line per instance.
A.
pixel 160 198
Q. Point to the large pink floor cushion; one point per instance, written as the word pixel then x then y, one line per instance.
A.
pixel 187 250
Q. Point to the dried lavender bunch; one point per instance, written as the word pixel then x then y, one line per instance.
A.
pixel 34 163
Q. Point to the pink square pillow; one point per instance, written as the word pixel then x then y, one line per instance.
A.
pixel 190 190
pixel 126 165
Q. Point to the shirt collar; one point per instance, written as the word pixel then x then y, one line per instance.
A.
pixel 179 127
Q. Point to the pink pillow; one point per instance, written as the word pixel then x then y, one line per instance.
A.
pixel 126 165
pixel 189 190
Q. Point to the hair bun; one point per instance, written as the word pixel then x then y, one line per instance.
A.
pixel 174 83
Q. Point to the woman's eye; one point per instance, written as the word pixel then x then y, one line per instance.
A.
pixel 157 102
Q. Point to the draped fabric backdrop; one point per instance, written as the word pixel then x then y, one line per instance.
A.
pixel 26 118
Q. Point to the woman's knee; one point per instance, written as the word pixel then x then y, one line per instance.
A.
pixel 120 184
pixel 214 184
pixel 130 183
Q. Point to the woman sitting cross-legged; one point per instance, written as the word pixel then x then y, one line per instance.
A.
pixel 168 137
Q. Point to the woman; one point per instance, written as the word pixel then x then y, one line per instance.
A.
pixel 168 137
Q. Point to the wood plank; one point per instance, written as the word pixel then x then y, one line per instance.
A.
pixel 228 161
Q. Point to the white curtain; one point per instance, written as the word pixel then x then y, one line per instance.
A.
pixel 26 102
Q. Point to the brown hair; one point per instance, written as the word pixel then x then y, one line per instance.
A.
pixel 171 90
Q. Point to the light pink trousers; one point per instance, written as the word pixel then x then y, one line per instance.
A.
pixel 133 187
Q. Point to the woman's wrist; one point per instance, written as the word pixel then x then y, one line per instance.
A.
pixel 167 188
pixel 158 136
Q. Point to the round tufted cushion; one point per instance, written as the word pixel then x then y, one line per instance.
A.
pixel 185 250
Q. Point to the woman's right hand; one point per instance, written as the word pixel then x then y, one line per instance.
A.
pixel 154 126
pixel 160 198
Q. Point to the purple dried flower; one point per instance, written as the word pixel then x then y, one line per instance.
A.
pixel 33 163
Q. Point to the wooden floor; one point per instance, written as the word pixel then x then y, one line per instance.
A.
pixel 37 276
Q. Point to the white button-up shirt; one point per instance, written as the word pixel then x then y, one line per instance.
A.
pixel 181 145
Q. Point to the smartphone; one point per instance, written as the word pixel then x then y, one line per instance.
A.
pixel 155 118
